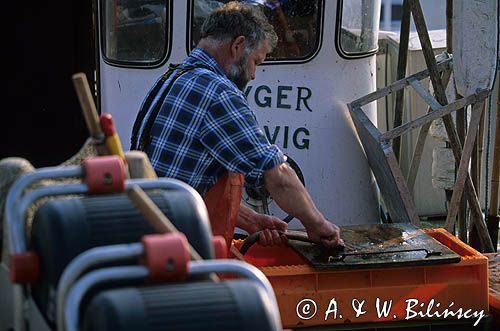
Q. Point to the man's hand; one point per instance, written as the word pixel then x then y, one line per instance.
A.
pixel 271 226
pixel 326 233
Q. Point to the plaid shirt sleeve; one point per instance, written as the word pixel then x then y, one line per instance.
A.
pixel 231 134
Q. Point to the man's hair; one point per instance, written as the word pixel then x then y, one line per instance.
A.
pixel 236 19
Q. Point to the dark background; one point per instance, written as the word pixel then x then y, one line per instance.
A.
pixel 47 43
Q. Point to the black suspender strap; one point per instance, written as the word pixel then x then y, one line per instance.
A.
pixel 142 142
pixel 147 103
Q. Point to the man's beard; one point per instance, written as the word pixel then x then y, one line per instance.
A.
pixel 238 73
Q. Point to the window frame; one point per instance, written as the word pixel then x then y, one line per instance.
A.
pixel 267 61
pixel 136 64
pixel 338 46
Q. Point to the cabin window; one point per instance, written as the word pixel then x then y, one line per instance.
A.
pixel 296 22
pixel 135 32
pixel 357 28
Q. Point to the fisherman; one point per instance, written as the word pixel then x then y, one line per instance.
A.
pixel 196 126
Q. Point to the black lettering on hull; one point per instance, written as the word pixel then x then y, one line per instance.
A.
pixel 284 97
pixel 299 137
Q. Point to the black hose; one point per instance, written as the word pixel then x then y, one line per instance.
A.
pixel 254 237
pixel 249 241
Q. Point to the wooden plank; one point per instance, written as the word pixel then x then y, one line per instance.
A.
pixel 420 144
pixel 434 115
pixel 404 192
pixel 361 118
pixel 428 52
pixel 397 85
pixel 461 178
pixel 463 166
pixel 449 49
pixel 385 169
pixel 401 71
pixel 470 191
pixel 495 174
pixel 449 26
pixel 417 155
pixel 424 93
pixel 461 226
pixel 477 154
pixel 473 201
pixel 473 236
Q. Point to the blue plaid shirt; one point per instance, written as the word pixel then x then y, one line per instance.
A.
pixel 205 127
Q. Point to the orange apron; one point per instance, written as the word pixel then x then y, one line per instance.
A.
pixel 223 204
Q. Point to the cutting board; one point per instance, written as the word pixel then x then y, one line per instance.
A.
pixel 378 246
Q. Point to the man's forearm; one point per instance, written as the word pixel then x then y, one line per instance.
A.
pixel 290 195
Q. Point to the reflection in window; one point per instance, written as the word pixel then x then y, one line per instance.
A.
pixel 134 31
pixel 296 22
pixel 359 27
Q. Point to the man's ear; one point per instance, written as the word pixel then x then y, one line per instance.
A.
pixel 238 47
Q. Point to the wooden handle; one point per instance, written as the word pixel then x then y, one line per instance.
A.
pixel 89 112
pixel 236 253
pixel 154 216
pixel 87 103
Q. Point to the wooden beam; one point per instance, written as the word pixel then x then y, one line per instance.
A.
pixel 424 93
pixel 420 144
pixel 472 195
pixel 404 37
pixel 386 170
pixel 495 174
pixel 461 226
pixel 469 142
pixel 434 115
pixel 89 110
pixel 401 186
pixel 461 178
pixel 400 84
pixel 449 26
pixel 475 173
pixel 427 50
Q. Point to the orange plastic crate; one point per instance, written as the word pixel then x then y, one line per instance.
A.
pixel 309 297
